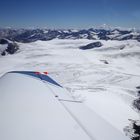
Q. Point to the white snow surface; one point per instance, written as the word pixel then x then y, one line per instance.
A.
pixel 3 47
pixel 107 89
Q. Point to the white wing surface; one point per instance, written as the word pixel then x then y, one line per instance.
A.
pixel 35 107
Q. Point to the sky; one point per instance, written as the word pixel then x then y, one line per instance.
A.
pixel 69 13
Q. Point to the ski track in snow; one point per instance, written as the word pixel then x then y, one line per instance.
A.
pixel 108 89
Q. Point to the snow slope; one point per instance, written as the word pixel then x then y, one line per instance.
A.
pixel 107 89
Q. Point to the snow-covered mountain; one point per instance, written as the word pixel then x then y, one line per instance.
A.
pixel 105 78
pixel 30 35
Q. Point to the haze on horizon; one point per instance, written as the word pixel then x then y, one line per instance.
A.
pixel 69 13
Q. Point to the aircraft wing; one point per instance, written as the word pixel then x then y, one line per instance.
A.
pixel 35 107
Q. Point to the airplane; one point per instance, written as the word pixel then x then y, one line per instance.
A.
pixel 33 106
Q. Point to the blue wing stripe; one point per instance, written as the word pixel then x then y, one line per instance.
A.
pixel 40 76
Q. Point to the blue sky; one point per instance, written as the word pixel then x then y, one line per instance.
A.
pixel 69 13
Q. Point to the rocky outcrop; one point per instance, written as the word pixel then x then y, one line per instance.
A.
pixel 137 104
pixel 8 47
pixel 3 41
pixel 91 46
pixel 12 48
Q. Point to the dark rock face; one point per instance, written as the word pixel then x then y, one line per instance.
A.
pixel 138 38
pixel 103 34
pixel 133 129
pixel 11 47
pixel 136 131
pixel 137 104
pixel 138 87
pixel 3 53
pixel 91 45
pixel 104 61
pixel 127 37
pixel 3 41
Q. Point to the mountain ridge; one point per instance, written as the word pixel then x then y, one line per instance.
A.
pixel 31 35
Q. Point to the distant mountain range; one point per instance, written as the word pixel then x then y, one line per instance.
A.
pixel 30 35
